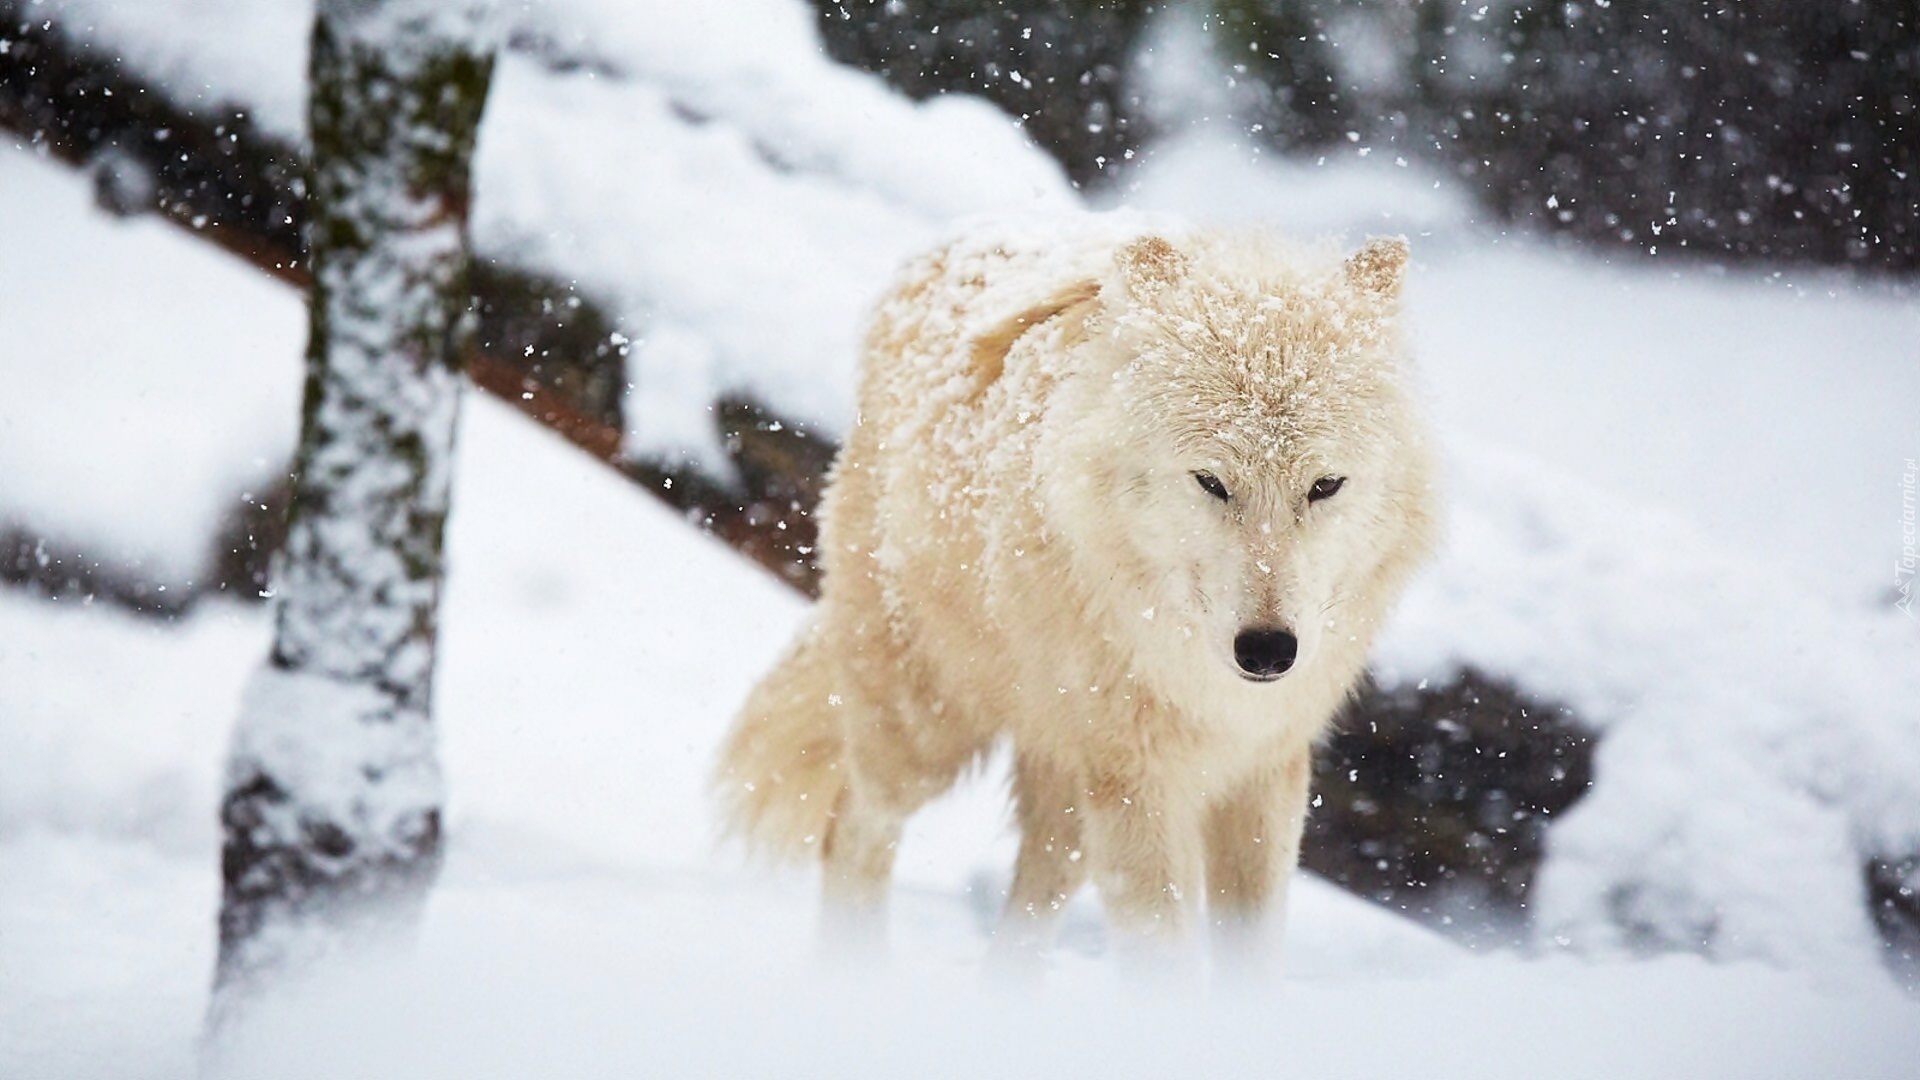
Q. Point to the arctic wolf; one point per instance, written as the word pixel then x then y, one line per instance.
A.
pixel 1134 504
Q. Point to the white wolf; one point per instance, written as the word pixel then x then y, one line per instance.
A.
pixel 1134 503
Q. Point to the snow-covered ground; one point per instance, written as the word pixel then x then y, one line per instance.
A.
pixel 1675 507
pixel 585 926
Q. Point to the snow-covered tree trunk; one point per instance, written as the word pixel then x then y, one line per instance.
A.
pixel 332 806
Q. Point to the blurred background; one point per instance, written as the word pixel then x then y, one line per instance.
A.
pixel 1648 731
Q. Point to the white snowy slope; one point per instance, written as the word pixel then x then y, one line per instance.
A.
pixel 594 646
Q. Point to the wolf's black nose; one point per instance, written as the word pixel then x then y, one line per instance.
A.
pixel 1265 654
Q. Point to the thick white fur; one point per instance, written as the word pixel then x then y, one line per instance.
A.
pixel 1016 548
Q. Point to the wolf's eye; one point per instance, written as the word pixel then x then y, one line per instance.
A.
pixel 1325 488
pixel 1211 485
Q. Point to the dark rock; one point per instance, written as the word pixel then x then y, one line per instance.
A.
pixel 558 340
pixel 252 533
pixel 1057 66
pixel 208 168
pixel 1435 800
pixel 1893 892
pixel 66 572
pixel 1772 130
pixel 784 466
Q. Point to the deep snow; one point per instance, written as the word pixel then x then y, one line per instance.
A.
pixel 586 927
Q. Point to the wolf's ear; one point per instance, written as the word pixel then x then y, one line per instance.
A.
pixel 1378 267
pixel 1150 264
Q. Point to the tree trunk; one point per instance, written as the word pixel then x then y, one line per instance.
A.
pixel 331 813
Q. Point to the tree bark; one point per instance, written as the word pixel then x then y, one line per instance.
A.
pixel 331 816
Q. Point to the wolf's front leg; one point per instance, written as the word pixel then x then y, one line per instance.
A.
pixel 1051 868
pixel 1144 838
pixel 1253 844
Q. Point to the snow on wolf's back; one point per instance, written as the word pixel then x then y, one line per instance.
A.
pixel 1088 470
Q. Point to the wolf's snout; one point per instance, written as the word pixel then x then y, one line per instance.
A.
pixel 1265 654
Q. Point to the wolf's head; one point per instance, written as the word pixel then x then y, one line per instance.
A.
pixel 1236 458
